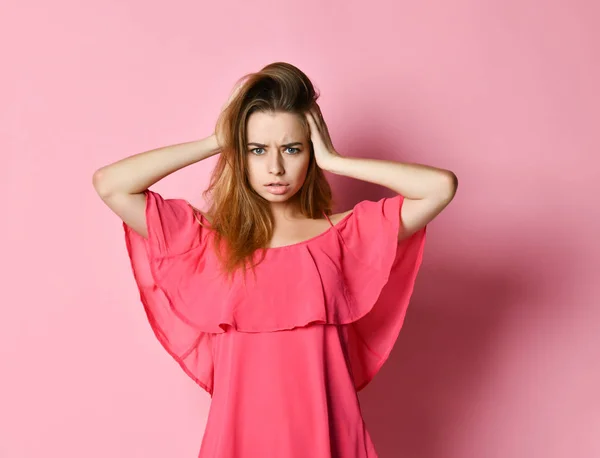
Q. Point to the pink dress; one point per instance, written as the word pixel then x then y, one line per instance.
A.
pixel 284 355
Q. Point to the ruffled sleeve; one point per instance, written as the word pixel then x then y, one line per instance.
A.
pixel 380 274
pixel 174 234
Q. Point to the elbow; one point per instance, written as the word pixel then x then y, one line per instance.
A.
pixel 99 183
pixel 448 186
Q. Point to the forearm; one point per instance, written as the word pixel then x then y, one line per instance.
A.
pixel 413 181
pixel 135 174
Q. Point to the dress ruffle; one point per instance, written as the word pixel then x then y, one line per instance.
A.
pixel 355 275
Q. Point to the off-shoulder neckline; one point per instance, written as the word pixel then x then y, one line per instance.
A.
pixel 318 236
pixel 331 228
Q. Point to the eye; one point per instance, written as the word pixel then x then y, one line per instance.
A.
pixel 260 151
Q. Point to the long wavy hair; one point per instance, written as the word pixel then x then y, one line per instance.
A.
pixel 241 218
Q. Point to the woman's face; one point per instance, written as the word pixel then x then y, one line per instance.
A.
pixel 278 152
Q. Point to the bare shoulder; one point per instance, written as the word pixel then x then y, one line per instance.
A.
pixel 337 217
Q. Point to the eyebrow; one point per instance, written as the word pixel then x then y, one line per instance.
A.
pixel 286 145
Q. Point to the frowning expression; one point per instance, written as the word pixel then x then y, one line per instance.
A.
pixel 278 154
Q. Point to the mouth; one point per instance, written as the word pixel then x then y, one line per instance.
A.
pixel 277 188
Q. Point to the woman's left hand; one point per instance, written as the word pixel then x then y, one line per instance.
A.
pixel 324 151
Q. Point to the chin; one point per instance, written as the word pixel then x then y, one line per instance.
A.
pixel 274 198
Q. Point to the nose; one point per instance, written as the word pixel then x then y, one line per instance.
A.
pixel 275 163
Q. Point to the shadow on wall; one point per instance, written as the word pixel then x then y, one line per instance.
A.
pixel 423 401
pixel 427 386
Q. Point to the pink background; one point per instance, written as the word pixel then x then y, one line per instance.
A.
pixel 500 352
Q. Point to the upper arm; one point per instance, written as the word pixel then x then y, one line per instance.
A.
pixel 131 208
pixel 417 213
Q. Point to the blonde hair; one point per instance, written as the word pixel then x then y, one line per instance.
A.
pixel 242 220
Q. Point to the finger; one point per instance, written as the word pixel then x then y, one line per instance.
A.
pixel 314 130
pixel 311 120
pixel 315 110
pixel 318 114
pixel 324 131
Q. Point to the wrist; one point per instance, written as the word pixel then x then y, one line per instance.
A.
pixel 333 163
pixel 212 143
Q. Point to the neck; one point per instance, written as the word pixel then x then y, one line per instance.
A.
pixel 286 211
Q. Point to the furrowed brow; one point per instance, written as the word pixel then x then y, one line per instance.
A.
pixel 287 145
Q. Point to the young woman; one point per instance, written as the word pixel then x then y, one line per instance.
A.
pixel 277 308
